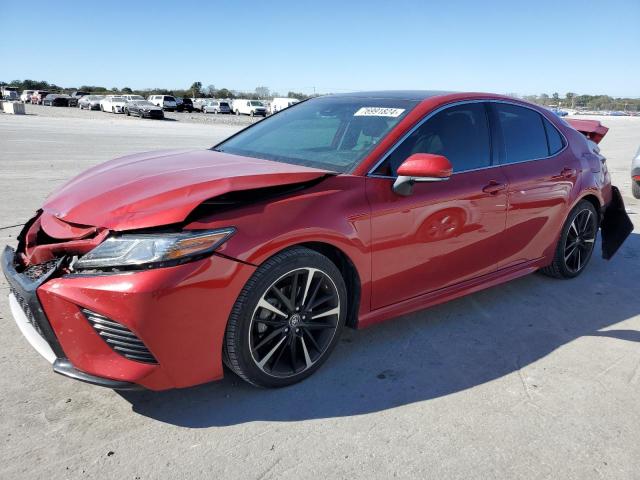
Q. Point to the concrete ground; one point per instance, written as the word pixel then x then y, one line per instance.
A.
pixel 534 379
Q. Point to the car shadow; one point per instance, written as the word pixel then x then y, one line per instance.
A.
pixel 428 354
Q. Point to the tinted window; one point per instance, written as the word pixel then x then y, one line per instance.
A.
pixel 523 133
pixel 169 99
pixel 553 137
pixel 460 133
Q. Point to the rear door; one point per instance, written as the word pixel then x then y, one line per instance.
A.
pixel 541 173
pixel 445 232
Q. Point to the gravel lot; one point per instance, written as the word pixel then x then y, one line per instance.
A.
pixel 535 379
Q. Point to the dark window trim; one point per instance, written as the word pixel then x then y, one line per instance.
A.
pixel 503 154
pixel 492 130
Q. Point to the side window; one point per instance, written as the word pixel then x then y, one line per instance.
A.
pixel 523 133
pixel 553 138
pixel 460 133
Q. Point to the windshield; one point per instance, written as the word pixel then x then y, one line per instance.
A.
pixel 144 103
pixel 331 133
pixel 118 99
pixel 256 104
pixel 136 97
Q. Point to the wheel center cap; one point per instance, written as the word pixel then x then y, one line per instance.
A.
pixel 294 320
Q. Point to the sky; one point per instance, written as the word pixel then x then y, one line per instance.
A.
pixel 586 47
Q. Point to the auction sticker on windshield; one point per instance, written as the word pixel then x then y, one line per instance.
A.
pixel 378 112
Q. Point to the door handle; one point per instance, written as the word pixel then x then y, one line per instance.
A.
pixel 493 187
pixel 568 172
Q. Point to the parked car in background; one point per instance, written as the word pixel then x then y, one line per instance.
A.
pixel 216 106
pixel 26 96
pixel 184 105
pixel 278 104
pixel 243 106
pixel 560 113
pixel 130 98
pixel 56 100
pixel 143 109
pixel 113 104
pixel 38 96
pixel 199 102
pixel 166 102
pixel 90 102
pixel 635 175
pixel 9 93
pixel 75 97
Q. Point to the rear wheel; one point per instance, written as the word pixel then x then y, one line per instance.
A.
pixel 287 319
pixel 635 188
pixel 576 243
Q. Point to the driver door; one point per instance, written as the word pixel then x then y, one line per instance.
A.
pixel 444 232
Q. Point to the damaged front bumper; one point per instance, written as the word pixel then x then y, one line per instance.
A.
pixel 33 323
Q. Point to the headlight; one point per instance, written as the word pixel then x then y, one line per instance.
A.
pixel 152 250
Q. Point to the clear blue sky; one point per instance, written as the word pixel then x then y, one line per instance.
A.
pixel 498 46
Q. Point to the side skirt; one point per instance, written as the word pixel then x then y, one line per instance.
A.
pixel 449 293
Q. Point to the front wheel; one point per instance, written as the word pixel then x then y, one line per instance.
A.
pixel 287 319
pixel 576 243
pixel 635 188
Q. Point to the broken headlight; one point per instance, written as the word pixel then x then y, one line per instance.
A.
pixel 150 249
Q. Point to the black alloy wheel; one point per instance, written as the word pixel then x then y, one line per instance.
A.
pixel 577 242
pixel 287 319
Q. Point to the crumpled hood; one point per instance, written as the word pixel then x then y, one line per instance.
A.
pixel 159 188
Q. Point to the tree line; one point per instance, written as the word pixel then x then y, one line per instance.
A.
pixel 586 102
pixel 196 90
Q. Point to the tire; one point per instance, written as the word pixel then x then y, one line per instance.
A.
pixel 576 244
pixel 126 112
pixel 635 188
pixel 267 349
pixel 237 112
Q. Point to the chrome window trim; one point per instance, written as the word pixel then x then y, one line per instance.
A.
pixel 455 104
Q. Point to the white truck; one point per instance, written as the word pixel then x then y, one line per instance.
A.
pixel 9 93
pixel 249 107
pixel 280 103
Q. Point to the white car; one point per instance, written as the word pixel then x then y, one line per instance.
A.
pixel 278 104
pixel 249 107
pixel 26 96
pixel 131 98
pixel 113 104
pixel 167 102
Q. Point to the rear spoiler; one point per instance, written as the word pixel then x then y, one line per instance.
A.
pixel 592 129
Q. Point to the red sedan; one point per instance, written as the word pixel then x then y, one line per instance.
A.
pixel 155 269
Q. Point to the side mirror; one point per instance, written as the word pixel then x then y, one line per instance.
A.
pixel 421 167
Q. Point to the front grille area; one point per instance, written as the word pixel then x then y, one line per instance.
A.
pixel 121 340
pixel 27 311
pixel 35 272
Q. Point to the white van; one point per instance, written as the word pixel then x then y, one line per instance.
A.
pixel 249 107
pixel 167 102
pixel 278 104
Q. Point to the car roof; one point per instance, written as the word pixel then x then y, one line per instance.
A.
pixel 417 95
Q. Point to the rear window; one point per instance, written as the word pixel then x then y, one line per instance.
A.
pixel 554 138
pixel 169 99
pixel 523 133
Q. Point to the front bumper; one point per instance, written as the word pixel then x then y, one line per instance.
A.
pixel 180 314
